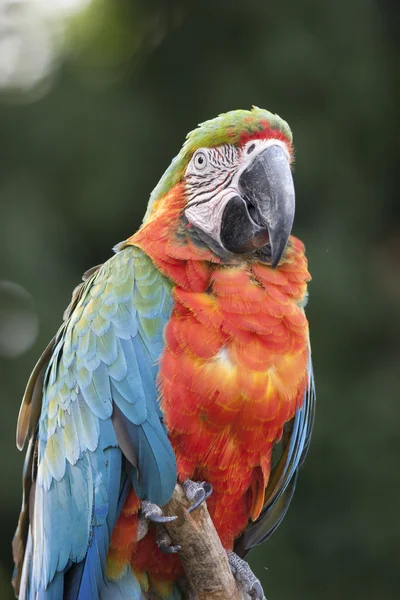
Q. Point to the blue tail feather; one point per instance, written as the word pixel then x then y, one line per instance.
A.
pixel 126 588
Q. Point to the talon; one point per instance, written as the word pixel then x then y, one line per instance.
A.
pixel 257 592
pixel 164 541
pixel 153 513
pixel 159 519
pixel 245 577
pixel 198 492
pixel 199 497
pixel 167 549
pixel 142 527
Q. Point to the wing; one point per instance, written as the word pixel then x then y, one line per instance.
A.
pixel 288 457
pixel 92 398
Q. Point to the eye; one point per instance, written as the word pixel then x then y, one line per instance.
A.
pixel 250 148
pixel 200 160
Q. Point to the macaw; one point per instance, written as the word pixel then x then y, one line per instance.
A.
pixel 185 357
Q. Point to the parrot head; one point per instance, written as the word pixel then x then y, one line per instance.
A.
pixel 237 192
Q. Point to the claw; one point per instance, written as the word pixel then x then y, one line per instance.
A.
pixel 153 513
pixel 245 577
pixel 198 492
pixel 142 527
pixel 257 592
pixel 164 541
pixel 169 548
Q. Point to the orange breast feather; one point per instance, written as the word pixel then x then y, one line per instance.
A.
pixel 232 373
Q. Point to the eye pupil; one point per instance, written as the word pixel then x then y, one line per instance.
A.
pixel 250 148
pixel 200 161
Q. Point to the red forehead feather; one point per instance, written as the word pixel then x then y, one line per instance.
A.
pixel 265 132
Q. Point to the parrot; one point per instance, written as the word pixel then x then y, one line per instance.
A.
pixel 183 358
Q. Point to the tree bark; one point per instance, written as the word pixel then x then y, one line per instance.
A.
pixel 203 557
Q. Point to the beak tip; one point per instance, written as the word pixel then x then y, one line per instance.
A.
pixel 274 263
pixel 277 252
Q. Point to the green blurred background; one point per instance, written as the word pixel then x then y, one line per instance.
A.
pixel 81 150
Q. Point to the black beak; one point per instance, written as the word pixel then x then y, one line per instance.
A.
pixel 267 184
pixel 264 211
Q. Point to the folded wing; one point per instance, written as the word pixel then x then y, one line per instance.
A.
pixel 289 457
pixel 90 405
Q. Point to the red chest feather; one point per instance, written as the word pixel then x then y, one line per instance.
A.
pixel 232 373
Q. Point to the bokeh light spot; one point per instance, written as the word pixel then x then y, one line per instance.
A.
pixel 18 320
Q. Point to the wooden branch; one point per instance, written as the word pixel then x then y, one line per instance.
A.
pixel 203 557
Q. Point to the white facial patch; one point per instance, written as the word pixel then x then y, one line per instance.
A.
pixel 212 179
pixel 207 216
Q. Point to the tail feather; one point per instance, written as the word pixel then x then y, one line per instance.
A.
pixel 54 590
pixel 126 588
pixel 72 581
pixel 93 574
pixel 24 588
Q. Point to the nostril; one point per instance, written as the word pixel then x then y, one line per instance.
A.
pixel 252 210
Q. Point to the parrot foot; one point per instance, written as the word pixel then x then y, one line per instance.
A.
pixel 196 492
pixel 164 542
pixel 153 513
pixel 245 578
pixel 143 527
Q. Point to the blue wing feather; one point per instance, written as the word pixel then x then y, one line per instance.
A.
pixel 104 363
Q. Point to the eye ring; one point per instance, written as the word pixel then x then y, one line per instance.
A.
pixel 200 160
